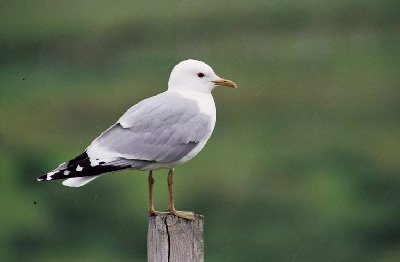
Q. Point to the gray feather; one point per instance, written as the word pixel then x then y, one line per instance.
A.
pixel 162 129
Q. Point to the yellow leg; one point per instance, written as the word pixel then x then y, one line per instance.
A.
pixel 171 207
pixel 152 211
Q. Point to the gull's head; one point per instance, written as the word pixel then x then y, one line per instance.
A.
pixel 194 75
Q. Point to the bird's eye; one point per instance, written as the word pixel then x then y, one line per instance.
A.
pixel 200 75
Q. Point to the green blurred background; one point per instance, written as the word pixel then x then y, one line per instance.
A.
pixel 304 161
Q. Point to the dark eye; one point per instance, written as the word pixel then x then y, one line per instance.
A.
pixel 200 75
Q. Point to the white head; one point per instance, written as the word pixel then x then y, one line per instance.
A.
pixel 197 76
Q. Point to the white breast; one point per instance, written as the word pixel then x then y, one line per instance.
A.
pixel 206 104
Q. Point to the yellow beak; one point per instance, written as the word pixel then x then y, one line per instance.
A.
pixel 224 82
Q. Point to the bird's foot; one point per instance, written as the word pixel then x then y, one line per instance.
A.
pixel 153 212
pixel 183 214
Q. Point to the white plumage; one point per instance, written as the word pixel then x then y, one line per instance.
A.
pixel 159 132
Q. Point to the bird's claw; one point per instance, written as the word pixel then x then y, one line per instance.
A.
pixel 183 214
pixel 153 212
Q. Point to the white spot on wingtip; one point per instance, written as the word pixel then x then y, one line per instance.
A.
pixel 50 174
pixel 66 172
pixel 94 162
pixel 79 168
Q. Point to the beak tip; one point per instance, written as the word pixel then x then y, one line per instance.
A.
pixel 225 82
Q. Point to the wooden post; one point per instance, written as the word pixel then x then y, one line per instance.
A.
pixel 174 239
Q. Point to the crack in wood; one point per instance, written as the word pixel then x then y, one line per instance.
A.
pixel 174 239
pixel 168 237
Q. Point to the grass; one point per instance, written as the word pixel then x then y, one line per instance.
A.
pixel 303 163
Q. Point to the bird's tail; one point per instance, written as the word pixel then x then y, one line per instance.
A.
pixel 79 171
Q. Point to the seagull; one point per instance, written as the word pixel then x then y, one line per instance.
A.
pixel 159 132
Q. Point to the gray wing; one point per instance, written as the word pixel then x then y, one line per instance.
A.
pixel 163 129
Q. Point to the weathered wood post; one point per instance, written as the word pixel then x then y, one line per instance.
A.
pixel 174 239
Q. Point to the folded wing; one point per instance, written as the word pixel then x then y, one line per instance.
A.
pixel 159 129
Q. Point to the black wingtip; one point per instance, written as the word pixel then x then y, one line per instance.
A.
pixel 80 166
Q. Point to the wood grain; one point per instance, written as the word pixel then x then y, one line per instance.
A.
pixel 174 239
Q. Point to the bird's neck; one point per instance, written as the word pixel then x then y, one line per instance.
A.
pixel 193 93
pixel 205 100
